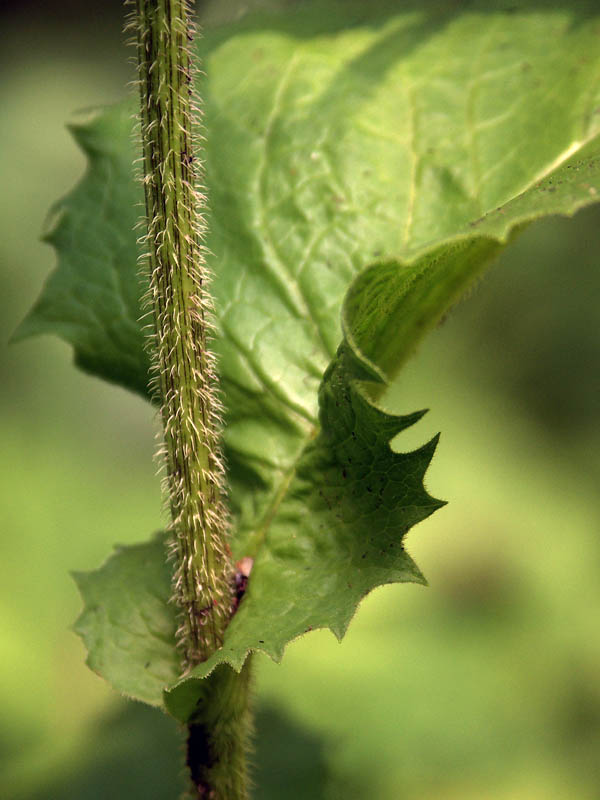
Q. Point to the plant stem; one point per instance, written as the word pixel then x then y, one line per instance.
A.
pixel 184 367
pixel 186 383
pixel 219 736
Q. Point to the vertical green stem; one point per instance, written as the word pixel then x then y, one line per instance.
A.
pixel 219 734
pixel 181 306
pixel 186 383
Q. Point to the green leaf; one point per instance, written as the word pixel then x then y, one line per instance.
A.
pixel 92 299
pixel 390 306
pixel 335 534
pixel 367 169
pixel 127 626
pixel 329 547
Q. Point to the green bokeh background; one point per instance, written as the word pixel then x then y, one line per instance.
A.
pixel 486 684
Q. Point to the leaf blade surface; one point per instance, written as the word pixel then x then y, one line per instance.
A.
pixel 365 170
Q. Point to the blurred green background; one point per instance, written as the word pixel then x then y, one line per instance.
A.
pixel 486 684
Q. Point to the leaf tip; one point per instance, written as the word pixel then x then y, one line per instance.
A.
pixel 82 126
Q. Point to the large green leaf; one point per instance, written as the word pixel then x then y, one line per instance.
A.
pixel 383 156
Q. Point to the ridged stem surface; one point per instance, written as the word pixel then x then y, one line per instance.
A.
pixel 185 382
pixel 184 370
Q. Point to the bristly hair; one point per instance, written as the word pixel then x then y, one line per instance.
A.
pixel 179 307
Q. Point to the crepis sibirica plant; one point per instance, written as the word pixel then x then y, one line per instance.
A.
pixel 344 180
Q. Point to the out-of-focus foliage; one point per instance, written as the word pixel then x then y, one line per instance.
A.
pixel 486 684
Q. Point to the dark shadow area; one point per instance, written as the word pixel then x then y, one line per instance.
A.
pixel 104 14
pixel 138 752
pixel 289 759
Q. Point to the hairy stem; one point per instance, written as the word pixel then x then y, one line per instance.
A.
pixel 186 384
pixel 181 307
pixel 219 736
